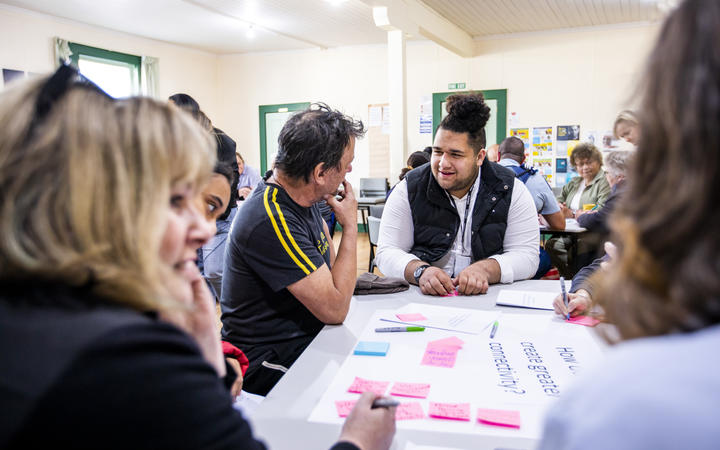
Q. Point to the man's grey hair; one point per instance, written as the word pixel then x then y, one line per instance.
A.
pixel 616 163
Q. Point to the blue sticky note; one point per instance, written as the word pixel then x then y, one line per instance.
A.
pixel 372 348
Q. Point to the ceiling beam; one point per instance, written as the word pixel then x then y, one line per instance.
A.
pixel 415 18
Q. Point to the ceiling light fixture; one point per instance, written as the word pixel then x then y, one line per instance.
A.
pixel 250 33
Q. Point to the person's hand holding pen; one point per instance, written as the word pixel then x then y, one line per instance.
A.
pixel 367 427
pixel 578 303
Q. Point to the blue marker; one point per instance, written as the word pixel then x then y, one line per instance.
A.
pixel 565 297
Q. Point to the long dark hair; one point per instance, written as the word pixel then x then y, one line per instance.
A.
pixel 667 277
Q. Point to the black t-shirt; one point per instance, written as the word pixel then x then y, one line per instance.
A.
pixel 274 243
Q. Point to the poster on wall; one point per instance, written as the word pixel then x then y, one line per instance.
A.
pixel 542 142
pixel 568 132
pixel 564 148
pixel 524 135
pixel 561 165
pixel 544 168
pixel 425 116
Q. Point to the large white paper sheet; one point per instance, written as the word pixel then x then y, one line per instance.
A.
pixel 465 321
pixel 531 360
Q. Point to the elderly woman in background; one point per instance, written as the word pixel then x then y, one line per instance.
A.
pixel 659 389
pixel 626 127
pixel 587 192
pixel 590 189
pixel 108 333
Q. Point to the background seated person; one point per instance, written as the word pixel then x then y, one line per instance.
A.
pixel 616 164
pixel 461 221
pixel 282 281
pixel 249 177
pixel 415 160
pixel 582 193
pixel 512 156
pixel 590 187
pixel 627 127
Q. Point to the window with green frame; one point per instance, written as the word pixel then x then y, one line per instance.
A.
pixel 116 73
pixel 496 99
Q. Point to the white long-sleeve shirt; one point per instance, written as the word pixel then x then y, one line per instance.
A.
pixel 518 261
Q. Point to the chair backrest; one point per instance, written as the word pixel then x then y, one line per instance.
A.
pixel 373 187
pixel 376 210
pixel 373 229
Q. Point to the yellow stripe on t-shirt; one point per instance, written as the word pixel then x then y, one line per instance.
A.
pixel 279 234
pixel 287 232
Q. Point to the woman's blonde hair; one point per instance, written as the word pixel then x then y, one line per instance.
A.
pixel 85 191
pixel 626 116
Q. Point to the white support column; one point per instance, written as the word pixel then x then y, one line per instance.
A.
pixel 397 97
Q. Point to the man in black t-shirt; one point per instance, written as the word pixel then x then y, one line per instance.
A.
pixel 282 280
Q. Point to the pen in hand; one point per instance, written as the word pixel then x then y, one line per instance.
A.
pixel 384 403
pixel 565 297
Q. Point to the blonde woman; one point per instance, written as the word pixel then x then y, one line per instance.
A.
pixel 107 331
pixel 627 127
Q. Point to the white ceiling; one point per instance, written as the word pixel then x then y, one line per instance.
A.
pixel 491 17
pixel 237 26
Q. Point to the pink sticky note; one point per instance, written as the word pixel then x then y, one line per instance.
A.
pixel 344 407
pixel 409 411
pixel 499 417
pixel 439 356
pixel 452 411
pixel 414 317
pixel 453 293
pixel 447 342
pixel 584 320
pixel 361 385
pixel 417 390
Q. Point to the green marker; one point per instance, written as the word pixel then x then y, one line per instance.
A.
pixel 398 329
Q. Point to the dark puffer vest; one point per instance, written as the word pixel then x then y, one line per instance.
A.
pixel 436 222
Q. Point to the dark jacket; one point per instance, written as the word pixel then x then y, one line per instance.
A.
pixel 436 222
pixel 598 222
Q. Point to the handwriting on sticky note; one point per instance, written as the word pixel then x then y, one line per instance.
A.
pixel 344 407
pixel 452 411
pixel 499 417
pixel 584 320
pixel 361 385
pixel 439 356
pixel 417 390
pixel 410 317
pixel 409 411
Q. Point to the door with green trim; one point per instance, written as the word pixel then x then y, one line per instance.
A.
pixel 272 119
pixel 496 99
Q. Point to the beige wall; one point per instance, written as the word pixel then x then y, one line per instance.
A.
pixel 581 77
pixel 27 44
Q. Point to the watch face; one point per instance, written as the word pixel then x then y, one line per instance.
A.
pixel 419 271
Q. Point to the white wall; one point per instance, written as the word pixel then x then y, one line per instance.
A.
pixel 583 77
pixel 346 78
pixel 27 44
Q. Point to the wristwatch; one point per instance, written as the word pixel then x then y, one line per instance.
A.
pixel 419 271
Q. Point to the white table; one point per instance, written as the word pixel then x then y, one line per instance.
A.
pixel 281 420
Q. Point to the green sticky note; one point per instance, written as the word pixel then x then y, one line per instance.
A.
pixel 371 348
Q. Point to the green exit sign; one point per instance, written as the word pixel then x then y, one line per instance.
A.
pixel 456 85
